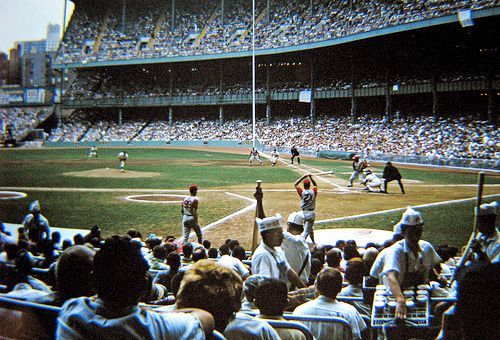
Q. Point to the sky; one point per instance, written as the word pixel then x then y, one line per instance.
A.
pixel 22 20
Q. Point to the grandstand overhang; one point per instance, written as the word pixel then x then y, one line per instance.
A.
pixel 450 19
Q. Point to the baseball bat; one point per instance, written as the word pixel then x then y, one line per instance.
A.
pixel 323 173
pixel 479 197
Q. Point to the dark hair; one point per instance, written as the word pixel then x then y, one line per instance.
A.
pixel 351 251
pixel 354 272
pixel 329 282
pixel 224 249
pixel 213 253
pixel 333 257
pixel 120 272
pixel 159 252
pixel 73 271
pixel 233 243
pixel 239 253
pixel 339 244
pixel 174 260
pixel 187 250
pixel 199 254
pixel 134 233
pixel 78 239
pixel 56 237
pixel 66 244
pixel 207 244
pixel 271 297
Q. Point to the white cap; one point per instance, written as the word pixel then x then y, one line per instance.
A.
pixel 492 208
pixel 34 207
pixel 269 223
pixel 296 218
pixel 411 217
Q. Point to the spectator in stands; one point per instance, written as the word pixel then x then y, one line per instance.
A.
pixel 369 258
pixel 218 289
pixel 213 253
pixel 268 259
pixel 158 260
pixel 95 232
pixel 251 283
pixel 66 244
pixel 187 252
pixel 78 239
pixel 232 262
pixel 271 299
pixel 354 276
pixel 487 246
pixel 56 240
pixel 295 246
pixel 164 277
pixel 36 224
pixel 199 254
pixel 329 284
pixel 333 258
pixel 119 277
pixel 408 262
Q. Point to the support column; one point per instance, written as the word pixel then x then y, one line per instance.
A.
pixel 120 119
pixel 435 99
pixel 58 115
pixel 221 115
pixel 312 110
pixel 353 103
pixel 124 6
pixel 268 94
pixel 388 103
pixel 491 100
pixel 268 114
pixel 170 116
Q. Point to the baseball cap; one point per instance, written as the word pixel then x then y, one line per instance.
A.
pixel 34 207
pixel 296 218
pixel 307 182
pixel 489 208
pixel 193 187
pixel 269 223
pixel 411 217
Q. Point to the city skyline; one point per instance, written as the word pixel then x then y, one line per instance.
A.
pixel 27 20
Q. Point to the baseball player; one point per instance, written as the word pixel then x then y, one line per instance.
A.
pixel 295 153
pixel 357 167
pixel 372 182
pixel 93 152
pixel 308 203
pixel 274 157
pixel 190 215
pixel 122 157
pixel 254 155
pixel 391 173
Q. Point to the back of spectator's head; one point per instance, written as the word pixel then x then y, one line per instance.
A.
pixel 224 249
pixel 34 207
pixel 119 274
pixel 233 243
pixel 152 242
pixel 134 234
pixel 354 272
pixel 187 250
pixel 333 257
pixel 56 237
pixel 24 262
pixel 159 252
pixel 239 253
pixel 214 288
pixel 271 297
pixel 370 255
pixel 170 247
pixel 73 271
pixel 340 244
pixel 250 284
pixel 487 217
pixel 199 254
pixel 66 244
pixel 78 239
pixel 207 244
pixel 478 301
pixel 11 250
pixel 329 282
pixel 371 245
pixel 174 260
pixel 351 251
pixel 213 253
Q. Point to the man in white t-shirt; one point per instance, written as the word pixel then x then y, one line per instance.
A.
pixel 328 284
pixel 295 246
pixel 231 262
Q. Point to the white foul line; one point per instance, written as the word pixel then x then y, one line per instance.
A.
pixel 399 209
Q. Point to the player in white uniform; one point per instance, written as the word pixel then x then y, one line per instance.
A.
pixel 357 167
pixel 254 156
pixel 122 157
pixel 372 182
pixel 190 215
pixel 274 157
pixel 93 152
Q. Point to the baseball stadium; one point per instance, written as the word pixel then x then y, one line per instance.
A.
pixel 253 102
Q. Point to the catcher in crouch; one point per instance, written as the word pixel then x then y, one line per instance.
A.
pixel 372 182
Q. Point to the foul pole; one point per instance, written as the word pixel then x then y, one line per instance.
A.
pixel 253 73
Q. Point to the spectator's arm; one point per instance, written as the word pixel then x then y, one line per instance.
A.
pixel 294 278
pixel 393 283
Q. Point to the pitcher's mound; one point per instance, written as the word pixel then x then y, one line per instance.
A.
pixel 112 173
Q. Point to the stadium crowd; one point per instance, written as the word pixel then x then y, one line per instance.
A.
pixel 150 30
pixel 136 286
pixel 443 137
pixel 21 120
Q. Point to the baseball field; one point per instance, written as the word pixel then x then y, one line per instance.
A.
pixel 77 192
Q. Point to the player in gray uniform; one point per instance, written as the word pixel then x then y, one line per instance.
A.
pixel 308 203
pixel 122 157
pixel 274 156
pixel 254 155
pixel 190 215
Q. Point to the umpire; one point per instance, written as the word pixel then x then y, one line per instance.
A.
pixel 391 173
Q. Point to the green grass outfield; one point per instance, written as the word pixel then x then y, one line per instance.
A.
pixel 24 170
